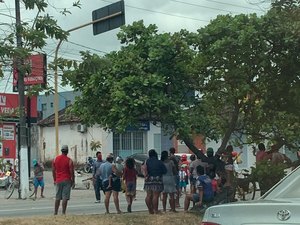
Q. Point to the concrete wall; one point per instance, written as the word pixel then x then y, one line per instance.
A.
pixel 79 143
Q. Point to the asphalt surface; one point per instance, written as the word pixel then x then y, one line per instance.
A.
pixel 82 201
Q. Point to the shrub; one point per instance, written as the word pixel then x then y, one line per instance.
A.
pixel 267 174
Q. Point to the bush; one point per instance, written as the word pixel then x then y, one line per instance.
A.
pixel 267 174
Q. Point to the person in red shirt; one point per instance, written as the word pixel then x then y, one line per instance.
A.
pixel 129 177
pixel 63 176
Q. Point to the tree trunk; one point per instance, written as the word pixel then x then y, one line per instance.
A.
pixel 189 143
pixel 231 128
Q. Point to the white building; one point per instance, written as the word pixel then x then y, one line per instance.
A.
pixel 79 137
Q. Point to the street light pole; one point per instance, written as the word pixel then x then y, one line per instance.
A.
pixel 22 152
pixel 56 97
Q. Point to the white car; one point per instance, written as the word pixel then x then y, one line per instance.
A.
pixel 280 205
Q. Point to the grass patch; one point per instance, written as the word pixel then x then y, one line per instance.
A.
pixel 136 218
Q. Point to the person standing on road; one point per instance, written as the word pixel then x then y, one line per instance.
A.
pixel 63 176
pixel 153 181
pixel 168 182
pixel 129 177
pixel 96 177
pixel 38 179
pixel 106 170
pixel 175 160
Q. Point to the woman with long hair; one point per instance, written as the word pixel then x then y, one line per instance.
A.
pixel 168 182
pixel 129 177
pixel 153 181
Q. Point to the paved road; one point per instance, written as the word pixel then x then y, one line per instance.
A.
pixel 82 201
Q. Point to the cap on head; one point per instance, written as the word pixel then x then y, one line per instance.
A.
pixel 119 159
pixel 65 148
pixel 34 162
pixel 184 157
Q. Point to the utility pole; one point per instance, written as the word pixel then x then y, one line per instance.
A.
pixel 23 169
pixel 56 97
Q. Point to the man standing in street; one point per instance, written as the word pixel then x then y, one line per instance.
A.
pixel 96 177
pixel 63 176
pixel 106 171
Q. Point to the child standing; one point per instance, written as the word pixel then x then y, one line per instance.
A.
pixel 182 179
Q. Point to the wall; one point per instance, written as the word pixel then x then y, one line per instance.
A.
pixel 150 138
pixel 79 143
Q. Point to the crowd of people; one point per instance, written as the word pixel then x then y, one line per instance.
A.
pixel 209 176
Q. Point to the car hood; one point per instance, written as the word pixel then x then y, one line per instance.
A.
pixel 259 212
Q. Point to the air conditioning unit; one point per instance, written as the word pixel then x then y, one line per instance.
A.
pixel 81 128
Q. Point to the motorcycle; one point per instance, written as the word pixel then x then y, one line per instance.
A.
pixel 88 166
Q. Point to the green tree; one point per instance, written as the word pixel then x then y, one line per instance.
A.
pixel 228 66
pixel 249 71
pixel 148 79
pixel 34 34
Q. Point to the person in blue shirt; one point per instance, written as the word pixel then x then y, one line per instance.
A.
pixel 204 194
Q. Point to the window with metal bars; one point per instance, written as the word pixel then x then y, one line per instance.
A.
pixel 129 143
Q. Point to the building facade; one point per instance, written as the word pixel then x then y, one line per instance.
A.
pixel 79 137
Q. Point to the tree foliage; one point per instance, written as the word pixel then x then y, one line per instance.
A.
pixel 239 74
pixel 34 34
pixel 148 79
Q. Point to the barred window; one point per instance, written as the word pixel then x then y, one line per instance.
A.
pixel 129 143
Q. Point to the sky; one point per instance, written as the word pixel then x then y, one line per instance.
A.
pixel 168 15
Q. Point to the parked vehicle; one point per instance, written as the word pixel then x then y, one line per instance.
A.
pixel 280 205
pixel 88 166
pixel 139 158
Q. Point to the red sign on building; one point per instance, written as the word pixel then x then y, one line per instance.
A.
pixel 37 76
pixel 9 105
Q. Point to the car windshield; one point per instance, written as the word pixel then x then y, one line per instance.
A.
pixel 287 188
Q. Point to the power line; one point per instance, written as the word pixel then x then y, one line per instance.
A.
pixel 164 13
pixel 83 46
pixel 230 4
pixel 203 6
